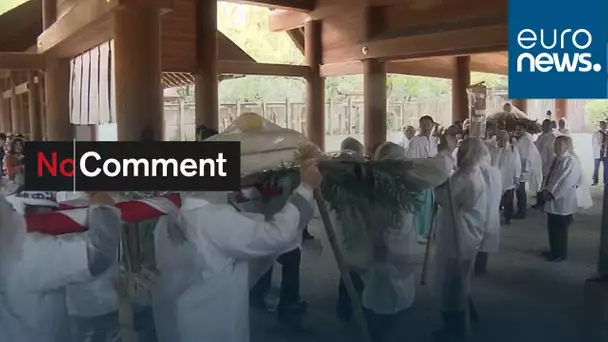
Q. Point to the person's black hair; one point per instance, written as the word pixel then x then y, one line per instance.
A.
pixel 522 124
pixel 2 136
pixel 13 142
pixel 426 117
pixel 603 122
pixel 203 132
pixel 546 121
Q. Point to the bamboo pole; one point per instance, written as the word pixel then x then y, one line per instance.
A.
pixel 344 272
pixel 427 253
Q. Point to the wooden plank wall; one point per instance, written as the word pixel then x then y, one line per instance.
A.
pixel 92 99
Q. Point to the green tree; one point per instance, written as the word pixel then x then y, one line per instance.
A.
pixel 597 110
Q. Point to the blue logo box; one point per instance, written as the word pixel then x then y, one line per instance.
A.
pixel 558 49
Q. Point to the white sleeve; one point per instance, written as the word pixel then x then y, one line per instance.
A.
pixel 51 262
pixel 432 172
pixel 247 236
pixel 412 149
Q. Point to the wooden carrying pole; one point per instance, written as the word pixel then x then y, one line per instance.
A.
pixel 344 271
pixel 427 252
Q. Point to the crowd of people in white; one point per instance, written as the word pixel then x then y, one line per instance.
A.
pixel 62 288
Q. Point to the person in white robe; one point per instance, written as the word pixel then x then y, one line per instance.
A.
pixel 559 191
pixel 408 134
pixel 599 144
pixel 544 143
pixel 35 269
pixel 509 163
pixel 384 271
pixel 531 169
pixel 202 292
pixel 493 181
pixel 424 145
pixel 563 127
pixel 469 199
pixel 93 306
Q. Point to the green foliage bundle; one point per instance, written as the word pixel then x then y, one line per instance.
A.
pixel 379 192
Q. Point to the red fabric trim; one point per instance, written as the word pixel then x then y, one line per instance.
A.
pixel 57 223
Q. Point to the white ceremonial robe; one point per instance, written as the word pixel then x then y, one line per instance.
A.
pixel 596 142
pixel 404 142
pixel 562 183
pixel 531 162
pixel 32 289
pixel 422 147
pixel 545 145
pixel 202 293
pixel 509 164
pixel 494 190
pixel 390 286
pixel 470 203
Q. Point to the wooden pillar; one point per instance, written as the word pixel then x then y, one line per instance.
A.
pixel 521 104
pixel 206 83
pixel 374 84
pixel 315 87
pixel 57 86
pixel 374 103
pixel 42 103
pixel 5 108
pixel 34 106
pixel 49 13
pixel 25 114
pixel 15 107
pixel 460 81
pixel 561 109
pixel 139 96
pixel 57 94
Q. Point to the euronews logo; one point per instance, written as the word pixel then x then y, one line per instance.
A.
pixel 564 51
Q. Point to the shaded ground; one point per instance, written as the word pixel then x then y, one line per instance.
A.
pixel 523 298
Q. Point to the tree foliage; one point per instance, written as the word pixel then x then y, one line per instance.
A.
pixel 248 27
pixel 597 110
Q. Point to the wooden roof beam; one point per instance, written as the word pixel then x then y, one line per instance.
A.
pixel 423 67
pixel 447 43
pixel 19 89
pixel 21 61
pixel 262 69
pixel 294 5
pixel 87 25
pixel 282 20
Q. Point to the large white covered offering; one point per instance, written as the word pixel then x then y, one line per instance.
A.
pixel 264 145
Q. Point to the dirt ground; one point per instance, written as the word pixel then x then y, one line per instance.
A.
pixel 522 298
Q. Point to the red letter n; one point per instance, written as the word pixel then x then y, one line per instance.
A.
pixel 43 162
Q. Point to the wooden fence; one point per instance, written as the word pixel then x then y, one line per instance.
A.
pixel 341 118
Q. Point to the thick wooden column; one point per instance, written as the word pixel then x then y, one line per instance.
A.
pixel 374 83
pixel 15 106
pixel 5 108
pixel 374 99
pixel 315 87
pixel 57 86
pixel 521 104
pixel 206 83
pixel 34 106
pixel 137 61
pixel 460 81
pixel 49 13
pixel 561 109
pixel 57 90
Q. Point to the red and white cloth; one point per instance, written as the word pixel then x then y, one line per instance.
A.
pixel 73 218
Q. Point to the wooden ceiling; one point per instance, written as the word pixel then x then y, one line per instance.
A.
pixel 20 28
pixel 416 36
